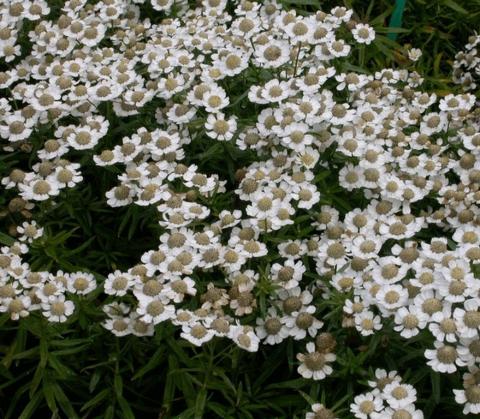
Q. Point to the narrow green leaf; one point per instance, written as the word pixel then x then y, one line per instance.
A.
pixel 153 362
pixel 36 380
pixel 48 393
pixel 6 239
pixel 64 403
pixel 118 385
pixel 125 407
pixel 455 6
pixel 31 406
pixel 96 400
pixel 200 403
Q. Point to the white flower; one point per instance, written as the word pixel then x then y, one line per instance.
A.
pixel 399 395
pixel 365 405
pixel 303 322
pixel 319 410
pixel 118 283
pixel 29 231
pixel 155 311
pixel 444 358
pixel 272 329
pixel 409 321
pixel 315 365
pixel 196 334
pixel 220 128
pixel 363 33
pixel 470 397
pixel 244 337
pixel 58 309
pixel 366 323
pixel 289 274
pixel 119 326
pixel 81 283
pixel 414 54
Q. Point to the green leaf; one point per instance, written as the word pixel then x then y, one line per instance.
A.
pixel 96 400
pixel 62 370
pixel 36 380
pixel 31 406
pixel 6 240
pixel 94 380
pixel 118 385
pixel 64 403
pixel 43 353
pixel 153 362
pixel 48 393
pixel 200 403
pixel 125 407
pixel 455 6
pixel 109 412
pixel 436 392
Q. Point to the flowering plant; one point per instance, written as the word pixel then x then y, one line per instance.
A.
pixel 222 176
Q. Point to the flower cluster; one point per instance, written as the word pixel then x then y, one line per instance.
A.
pixel 389 398
pixel 23 290
pixel 466 67
pixel 412 159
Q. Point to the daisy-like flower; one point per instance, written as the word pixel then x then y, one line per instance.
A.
pixel 365 405
pixel 16 307
pixel 245 337
pixel 272 54
pixel 49 290
pixel 315 365
pixel 289 274
pixel 220 128
pixel 119 326
pixel 391 297
pixel 444 358
pixel 215 99
pixel 320 411
pixel 363 33
pixel 177 288
pixel 197 334
pixel 271 330
pixel 409 321
pixel 58 309
pixel 414 54
pixel 367 323
pixel 81 283
pixel 120 196
pixel 409 411
pixel 29 231
pixel 303 322
pixel 118 283
pixel 399 395
pixel 155 311
pixel 470 398
pixel 382 378
pixel 38 189
pixel 468 318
